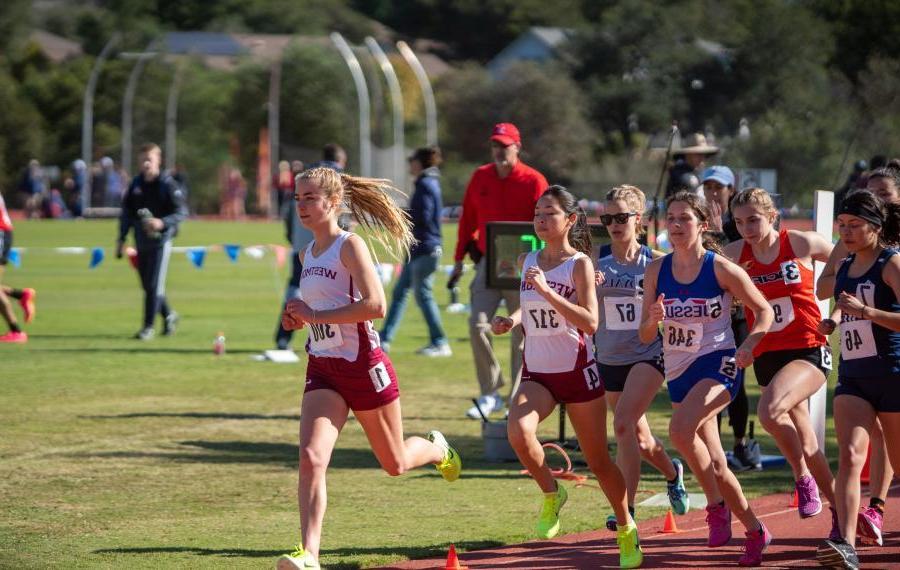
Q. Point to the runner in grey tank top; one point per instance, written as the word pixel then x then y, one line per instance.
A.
pixel 632 371
pixel 620 297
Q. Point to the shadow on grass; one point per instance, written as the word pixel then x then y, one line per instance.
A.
pixel 412 552
pixel 194 415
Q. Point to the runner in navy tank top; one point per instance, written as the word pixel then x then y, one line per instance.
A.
pixel 867 291
pixel 558 312
pixel 340 295
pixel 689 292
pixel 632 371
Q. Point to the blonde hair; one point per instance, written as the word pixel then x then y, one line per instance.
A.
pixel 634 197
pixel 369 202
pixel 759 198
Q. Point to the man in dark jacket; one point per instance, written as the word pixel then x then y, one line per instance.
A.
pixel 425 210
pixel 154 205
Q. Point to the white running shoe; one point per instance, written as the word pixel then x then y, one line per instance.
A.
pixel 488 403
pixel 435 350
pixel 297 560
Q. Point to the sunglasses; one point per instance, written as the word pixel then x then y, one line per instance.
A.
pixel 607 219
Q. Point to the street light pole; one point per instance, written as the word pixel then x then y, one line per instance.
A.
pixel 393 84
pixel 431 129
pixel 87 118
pixel 172 116
pixel 127 105
pixel 362 95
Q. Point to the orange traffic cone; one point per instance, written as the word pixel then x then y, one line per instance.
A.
pixel 795 500
pixel 453 561
pixel 669 526
pixel 864 475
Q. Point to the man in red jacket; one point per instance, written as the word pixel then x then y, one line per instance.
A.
pixel 506 190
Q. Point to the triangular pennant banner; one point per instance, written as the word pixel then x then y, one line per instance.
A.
pixel 96 257
pixel 280 255
pixel 232 251
pixel 15 257
pixel 197 255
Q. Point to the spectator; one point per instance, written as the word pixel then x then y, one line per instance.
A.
pixel 154 206
pixel 283 182
pixel 718 187
pixel 418 272
pixel 234 193
pixel 689 160
pixel 504 190
pixel 33 186
pixel 112 182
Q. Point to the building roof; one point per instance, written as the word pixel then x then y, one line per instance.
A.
pixel 537 44
pixel 56 48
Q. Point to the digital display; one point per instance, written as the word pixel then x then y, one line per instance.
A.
pixel 507 240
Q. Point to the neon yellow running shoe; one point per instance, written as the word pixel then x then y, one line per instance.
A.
pixel 548 523
pixel 299 559
pixel 630 555
pixel 451 465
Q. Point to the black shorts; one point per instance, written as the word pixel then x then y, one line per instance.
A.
pixel 880 391
pixel 5 246
pixel 614 376
pixel 767 364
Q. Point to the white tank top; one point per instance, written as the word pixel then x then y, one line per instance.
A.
pixel 552 343
pixel 326 284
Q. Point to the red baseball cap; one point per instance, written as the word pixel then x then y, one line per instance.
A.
pixel 506 134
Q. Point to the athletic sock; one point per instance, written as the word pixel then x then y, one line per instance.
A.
pixel 16 293
pixel 876 503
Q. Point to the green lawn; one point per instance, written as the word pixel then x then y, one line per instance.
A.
pixel 162 455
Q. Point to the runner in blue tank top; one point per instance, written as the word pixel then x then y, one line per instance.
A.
pixel 632 371
pixel 689 292
pixel 867 290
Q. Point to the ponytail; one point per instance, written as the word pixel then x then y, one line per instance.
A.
pixel 369 202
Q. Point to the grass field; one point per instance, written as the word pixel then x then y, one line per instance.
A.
pixel 162 455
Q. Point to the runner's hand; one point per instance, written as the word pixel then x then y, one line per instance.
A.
pixel 657 309
pixel 599 278
pixel 501 325
pixel 743 356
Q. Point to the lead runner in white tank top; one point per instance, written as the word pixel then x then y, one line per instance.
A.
pixel 340 295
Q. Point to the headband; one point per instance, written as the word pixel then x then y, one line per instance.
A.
pixel 867 212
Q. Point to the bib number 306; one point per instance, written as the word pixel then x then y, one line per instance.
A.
pixel 325 335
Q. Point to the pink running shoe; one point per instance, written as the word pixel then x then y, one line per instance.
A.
pixel 808 502
pixel 835 534
pixel 718 517
pixel 27 302
pixel 16 337
pixel 755 545
pixel 869 523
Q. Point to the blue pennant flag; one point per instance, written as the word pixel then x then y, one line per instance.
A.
pixel 232 251
pixel 197 255
pixel 15 257
pixel 96 257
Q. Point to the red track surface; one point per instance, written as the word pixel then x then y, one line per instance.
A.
pixel 794 545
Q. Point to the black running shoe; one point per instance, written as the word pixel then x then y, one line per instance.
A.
pixel 837 554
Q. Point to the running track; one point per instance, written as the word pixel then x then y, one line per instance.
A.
pixel 794 544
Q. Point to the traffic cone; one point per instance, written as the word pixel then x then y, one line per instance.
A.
pixel 453 561
pixel 864 475
pixel 669 526
pixel 795 500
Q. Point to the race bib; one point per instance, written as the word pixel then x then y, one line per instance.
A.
pixel 857 340
pixel 592 377
pixel 380 377
pixel 729 367
pixel 324 336
pixel 826 356
pixel 541 319
pixel 790 270
pixel 784 313
pixel 684 337
pixel 622 313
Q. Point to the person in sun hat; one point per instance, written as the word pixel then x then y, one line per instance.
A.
pixel 689 162
pixel 507 190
